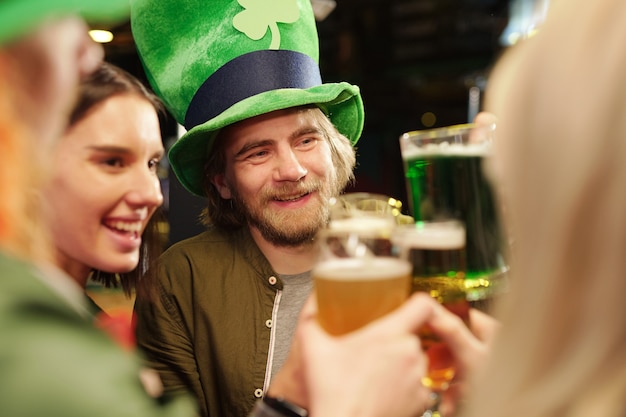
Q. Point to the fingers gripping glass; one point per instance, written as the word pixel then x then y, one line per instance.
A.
pixel 436 252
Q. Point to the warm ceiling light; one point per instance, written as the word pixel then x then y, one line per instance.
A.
pixel 525 16
pixel 322 8
pixel 101 36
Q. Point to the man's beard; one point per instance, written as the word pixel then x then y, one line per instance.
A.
pixel 289 227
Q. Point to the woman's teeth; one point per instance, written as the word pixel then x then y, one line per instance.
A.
pixel 131 227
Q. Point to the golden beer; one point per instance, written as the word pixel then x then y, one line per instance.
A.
pixel 436 251
pixel 450 292
pixel 352 292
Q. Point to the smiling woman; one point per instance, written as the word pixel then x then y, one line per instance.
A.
pixel 104 187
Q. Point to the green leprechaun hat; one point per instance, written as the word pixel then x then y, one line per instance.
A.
pixel 217 62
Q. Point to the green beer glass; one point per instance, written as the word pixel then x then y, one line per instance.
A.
pixel 444 177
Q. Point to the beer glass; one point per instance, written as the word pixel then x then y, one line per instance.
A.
pixel 445 180
pixel 358 276
pixel 436 251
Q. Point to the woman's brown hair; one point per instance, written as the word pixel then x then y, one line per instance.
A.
pixel 106 82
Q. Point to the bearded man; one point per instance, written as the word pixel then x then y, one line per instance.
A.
pixel 267 144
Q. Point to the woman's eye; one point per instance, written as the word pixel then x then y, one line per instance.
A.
pixel 153 164
pixel 114 162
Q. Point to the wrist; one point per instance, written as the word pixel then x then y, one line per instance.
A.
pixel 288 388
pixel 271 406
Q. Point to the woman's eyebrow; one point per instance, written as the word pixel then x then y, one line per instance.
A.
pixel 109 148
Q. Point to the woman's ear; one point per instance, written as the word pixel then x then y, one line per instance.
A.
pixel 219 181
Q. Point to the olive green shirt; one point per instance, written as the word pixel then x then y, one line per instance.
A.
pixel 209 329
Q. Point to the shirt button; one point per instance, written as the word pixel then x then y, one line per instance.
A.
pixel 268 323
pixel 272 280
pixel 258 392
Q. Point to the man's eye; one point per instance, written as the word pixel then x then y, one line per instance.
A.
pixel 307 142
pixel 259 154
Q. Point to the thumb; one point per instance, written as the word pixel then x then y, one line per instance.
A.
pixel 410 316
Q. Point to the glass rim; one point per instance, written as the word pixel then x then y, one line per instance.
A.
pixel 364 204
pixel 445 131
pixel 425 224
pixel 444 233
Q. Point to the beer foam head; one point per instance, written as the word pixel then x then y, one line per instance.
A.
pixel 412 151
pixel 362 224
pixel 362 269
pixel 435 235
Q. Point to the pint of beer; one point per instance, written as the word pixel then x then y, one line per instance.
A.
pixel 444 177
pixel 359 276
pixel 352 292
pixel 436 251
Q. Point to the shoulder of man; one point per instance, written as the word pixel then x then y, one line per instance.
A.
pixel 218 243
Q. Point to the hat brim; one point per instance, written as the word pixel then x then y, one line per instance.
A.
pixel 19 17
pixel 341 102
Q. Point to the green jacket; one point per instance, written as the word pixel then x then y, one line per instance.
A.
pixel 210 326
pixel 55 363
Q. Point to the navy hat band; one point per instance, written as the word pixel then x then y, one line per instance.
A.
pixel 247 75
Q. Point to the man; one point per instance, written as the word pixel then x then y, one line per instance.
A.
pixel 267 144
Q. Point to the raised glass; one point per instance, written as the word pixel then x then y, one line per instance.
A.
pixel 359 276
pixel 445 180
pixel 436 251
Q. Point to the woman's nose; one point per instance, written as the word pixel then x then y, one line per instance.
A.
pixel 145 191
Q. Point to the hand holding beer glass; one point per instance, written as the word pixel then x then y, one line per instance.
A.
pixel 358 276
pixel 436 251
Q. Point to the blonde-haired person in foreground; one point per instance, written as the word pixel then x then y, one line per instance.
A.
pixel 560 164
